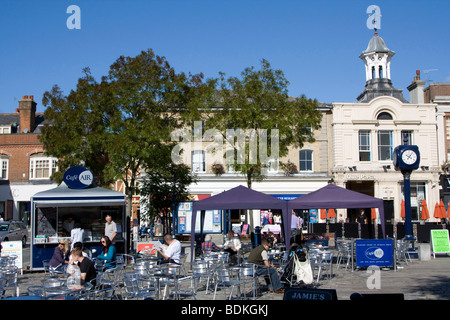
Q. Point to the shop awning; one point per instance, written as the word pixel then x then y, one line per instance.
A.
pixel 63 196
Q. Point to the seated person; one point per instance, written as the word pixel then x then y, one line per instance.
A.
pixel 233 244
pixel 208 245
pixel 172 251
pixel 86 266
pixel 59 255
pixel 108 254
pixel 260 257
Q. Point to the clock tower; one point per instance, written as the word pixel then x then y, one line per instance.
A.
pixel 377 59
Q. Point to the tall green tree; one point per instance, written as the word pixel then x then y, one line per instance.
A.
pixel 163 188
pixel 120 125
pixel 251 110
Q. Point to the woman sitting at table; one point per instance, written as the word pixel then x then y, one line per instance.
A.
pixel 108 254
pixel 58 259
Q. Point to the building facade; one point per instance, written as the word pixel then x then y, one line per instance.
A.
pixel 439 94
pixel 312 161
pixel 26 170
pixel 366 132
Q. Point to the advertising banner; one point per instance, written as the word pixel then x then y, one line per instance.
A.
pixel 374 252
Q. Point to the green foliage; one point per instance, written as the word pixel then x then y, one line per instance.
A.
pixel 259 100
pixel 121 125
pixel 289 168
pixel 163 187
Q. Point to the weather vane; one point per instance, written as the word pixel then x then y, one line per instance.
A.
pixel 374 19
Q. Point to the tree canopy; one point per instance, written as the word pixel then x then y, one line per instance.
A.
pixel 258 120
pixel 122 124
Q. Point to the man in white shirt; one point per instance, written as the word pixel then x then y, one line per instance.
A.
pixel 76 235
pixel 110 228
pixel 172 251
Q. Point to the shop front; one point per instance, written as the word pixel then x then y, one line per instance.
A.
pixel 54 212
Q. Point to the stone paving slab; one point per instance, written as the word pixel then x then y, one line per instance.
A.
pixel 420 280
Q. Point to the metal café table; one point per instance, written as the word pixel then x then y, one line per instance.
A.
pixel 166 273
pixel 61 289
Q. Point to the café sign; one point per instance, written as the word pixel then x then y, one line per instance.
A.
pixel 78 177
pixel 374 252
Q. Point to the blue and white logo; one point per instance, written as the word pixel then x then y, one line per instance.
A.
pixel 78 177
pixel 374 253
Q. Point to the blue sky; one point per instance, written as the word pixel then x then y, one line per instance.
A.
pixel 315 43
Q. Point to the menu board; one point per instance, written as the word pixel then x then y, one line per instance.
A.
pixel 13 248
pixel 212 223
pixel 440 241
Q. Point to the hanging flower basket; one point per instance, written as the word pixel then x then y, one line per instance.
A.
pixel 217 169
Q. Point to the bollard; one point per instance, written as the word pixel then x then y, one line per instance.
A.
pixel 424 252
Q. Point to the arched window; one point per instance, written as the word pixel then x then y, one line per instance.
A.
pixel 380 72
pixel 384 116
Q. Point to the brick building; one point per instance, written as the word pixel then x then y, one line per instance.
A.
pixel 25 169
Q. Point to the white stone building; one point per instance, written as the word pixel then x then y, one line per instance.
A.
pixel 366 132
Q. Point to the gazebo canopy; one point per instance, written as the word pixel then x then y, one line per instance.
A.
pixel 239 197
pixel 334 197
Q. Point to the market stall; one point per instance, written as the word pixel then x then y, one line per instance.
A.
pixel 239 197
pixel 55 211
pixel 332 197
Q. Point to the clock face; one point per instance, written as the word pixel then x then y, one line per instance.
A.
pixel 409 157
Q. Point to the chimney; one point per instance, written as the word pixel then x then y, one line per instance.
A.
pixel 27 114
pixel 416 90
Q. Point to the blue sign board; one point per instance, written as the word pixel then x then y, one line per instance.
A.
pixel 78 177
pixel 374 252
pixel 286 197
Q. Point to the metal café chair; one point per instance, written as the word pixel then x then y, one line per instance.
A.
pixel 201 270
pixel 402 253
pixel 254 272
pixel 325 262
pixel 125 259
pixel 100 294
pixel 11 274
pixel 110 278
pixel 137 288
pixel 228 278
pixel 3 282
pixel 172 274
pixel 36 291
pixel 344 254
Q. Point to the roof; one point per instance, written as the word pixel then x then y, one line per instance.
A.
pixel 332 196
pixel 63 196
pixel 376 44
pixel 13 119
pixel 239 197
